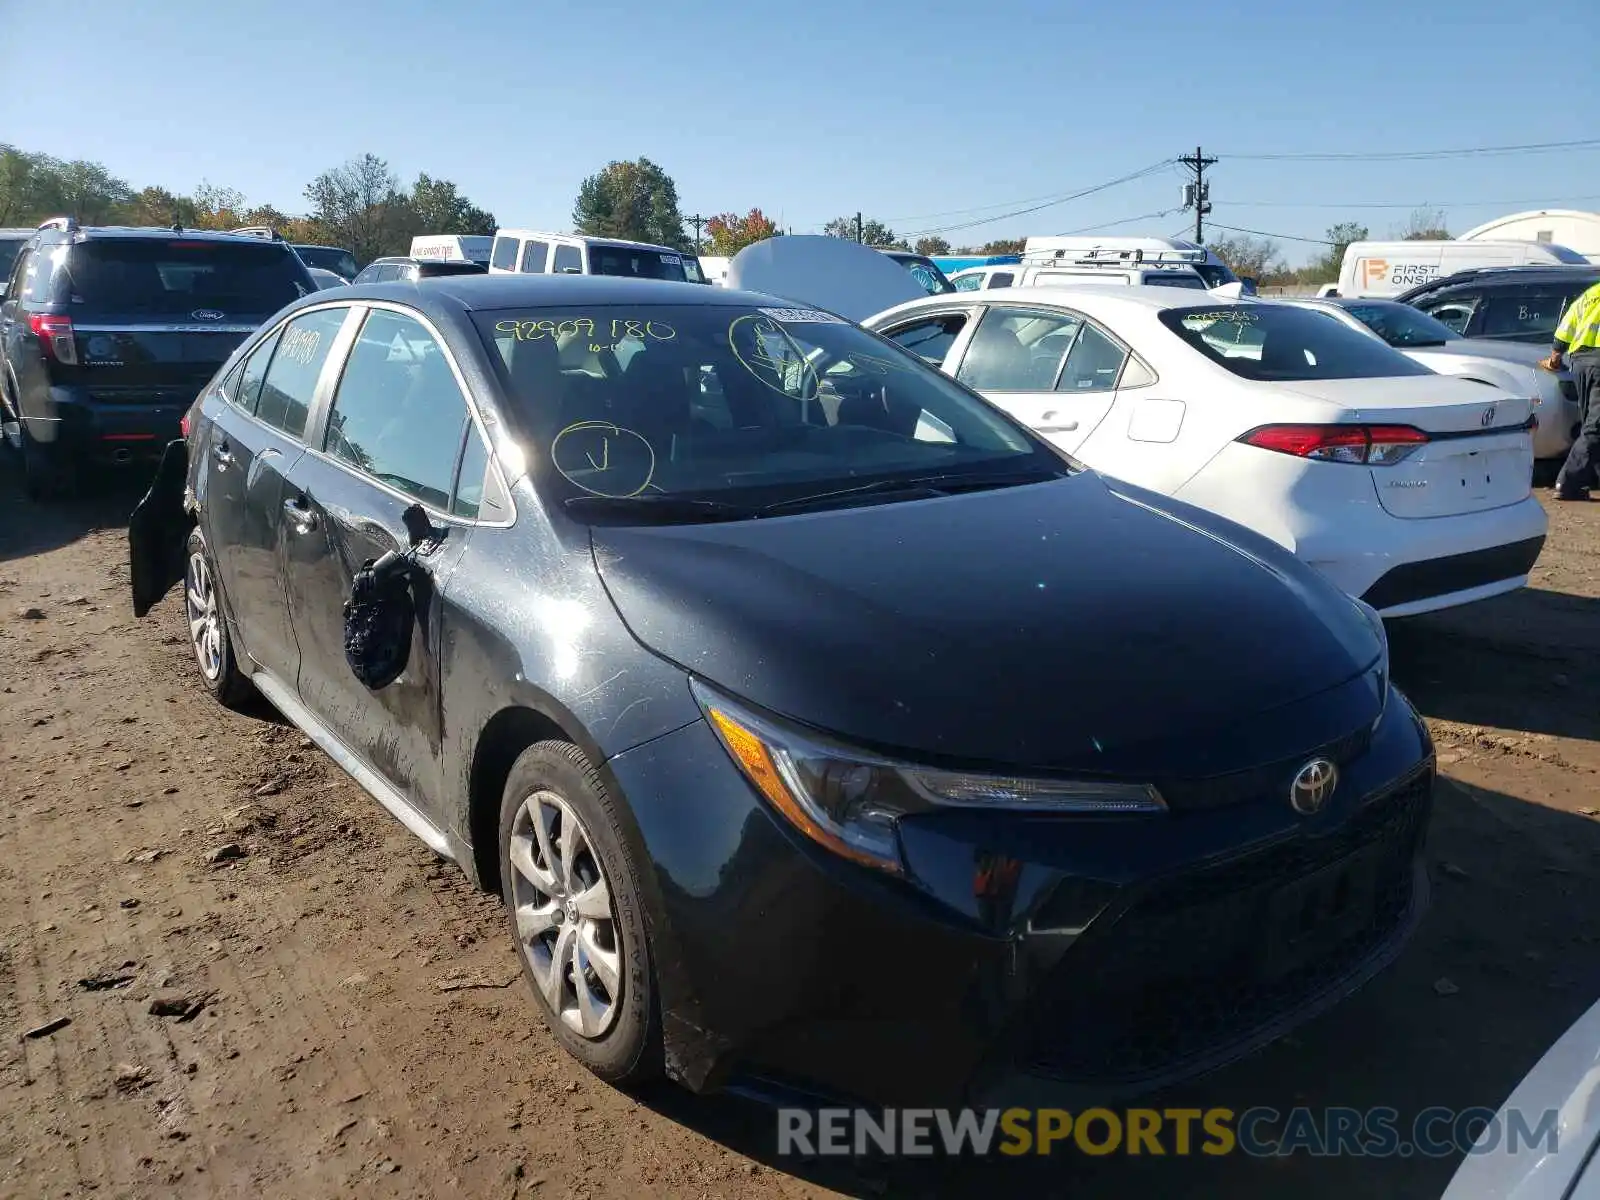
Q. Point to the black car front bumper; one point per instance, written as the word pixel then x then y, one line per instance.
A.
pixel 1108 956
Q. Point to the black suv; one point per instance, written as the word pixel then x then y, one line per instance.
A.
pixel 1511 304
pixel 402 269
pixel 330 258
pixel 107 334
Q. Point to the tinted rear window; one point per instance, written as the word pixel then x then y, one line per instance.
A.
pixel 1284 344
pixel 1525 313
pixel 636 264
pixel 178 277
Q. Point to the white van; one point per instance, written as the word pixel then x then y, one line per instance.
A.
pixel 452 247
pixel 1379 269
pixel 1212 269
pixel 531 251
pixel 715 268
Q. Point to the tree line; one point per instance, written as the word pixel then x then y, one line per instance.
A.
pixel 1260 258
pixel 360 205
pixel 363 206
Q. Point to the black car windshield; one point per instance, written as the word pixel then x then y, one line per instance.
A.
pixel 1401 325
pixel 177 276
pixel 636 263
pixel 751 406
pixel 329 258
pixel 1281 343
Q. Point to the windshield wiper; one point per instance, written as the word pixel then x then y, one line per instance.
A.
pixel 923 486
pixel 663 508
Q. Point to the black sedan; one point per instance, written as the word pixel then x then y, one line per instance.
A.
pixel 821 727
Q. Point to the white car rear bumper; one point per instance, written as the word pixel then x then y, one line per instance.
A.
pixel 1329 516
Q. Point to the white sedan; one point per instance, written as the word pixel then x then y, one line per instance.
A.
pixel 1408 489
pixel 1542 1143
pixel 1509 365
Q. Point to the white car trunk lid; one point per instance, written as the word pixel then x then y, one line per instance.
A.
pixel 1479 453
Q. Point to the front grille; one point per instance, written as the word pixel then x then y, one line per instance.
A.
pixel 1200 962
pixel 1242 787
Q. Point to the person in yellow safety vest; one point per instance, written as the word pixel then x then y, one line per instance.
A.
pixel 1578 344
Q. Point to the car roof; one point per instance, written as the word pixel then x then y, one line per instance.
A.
pixel 1104 296
pixel 474 293
pixel 154 233
pixel 1531 273
pixel 18 232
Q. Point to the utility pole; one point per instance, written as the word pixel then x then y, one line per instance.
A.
pixel 697 220
pixel 858 228
pixel 1198 194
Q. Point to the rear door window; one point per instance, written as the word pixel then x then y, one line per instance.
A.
pixel 534 255
pixel 179 277
pixel 248 392
pixel 291 380
pixel 1001 279
pixel 1093 363
pixel 1523 314
pixel 1017 350
pixel 399 414
pixel 504 255
pixel 569 261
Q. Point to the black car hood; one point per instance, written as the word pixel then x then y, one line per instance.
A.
pixel 1068 625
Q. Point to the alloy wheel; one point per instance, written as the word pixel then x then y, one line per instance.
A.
pixel 566 925
pixel 205 621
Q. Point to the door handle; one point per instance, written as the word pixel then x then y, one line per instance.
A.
pixel 1068 427
pixel 222 454
pixel 301 518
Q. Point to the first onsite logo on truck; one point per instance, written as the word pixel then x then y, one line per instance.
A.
pixel 1396 275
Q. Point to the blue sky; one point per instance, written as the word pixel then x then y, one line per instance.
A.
pixel 926 114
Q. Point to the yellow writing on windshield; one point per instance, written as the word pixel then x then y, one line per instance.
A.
pixel 586 327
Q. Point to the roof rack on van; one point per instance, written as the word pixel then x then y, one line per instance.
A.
pixel 260 231
pixel 69 224
pixel 1109 257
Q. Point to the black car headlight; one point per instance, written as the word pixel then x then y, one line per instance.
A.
pixel 849 800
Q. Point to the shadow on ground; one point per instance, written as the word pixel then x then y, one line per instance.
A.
pixel 29 527
pixel 1506 959
pixel 1529 661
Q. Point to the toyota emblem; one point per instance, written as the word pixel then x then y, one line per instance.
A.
pixel 1312 786
pixel 1488 417
pixel 211 314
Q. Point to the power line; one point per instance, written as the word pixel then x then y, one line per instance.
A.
pixel 1287 237
pixel 1541 201
pixel 1423 155
pixel 1154 216
pixel 1078 195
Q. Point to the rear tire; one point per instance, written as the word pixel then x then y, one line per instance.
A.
pixel 47 474
pixel 577 915
pixel 208 627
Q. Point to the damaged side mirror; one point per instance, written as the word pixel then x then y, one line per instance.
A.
pixel 382 607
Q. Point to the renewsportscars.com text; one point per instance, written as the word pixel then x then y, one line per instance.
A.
pixel 1259 1132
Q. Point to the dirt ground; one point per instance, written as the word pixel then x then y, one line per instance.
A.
pixel 265 987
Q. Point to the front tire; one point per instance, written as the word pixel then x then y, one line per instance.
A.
pixel 208 627
pixel 576 912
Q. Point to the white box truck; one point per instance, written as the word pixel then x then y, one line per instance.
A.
pixel 452 247
pixel 1379 269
